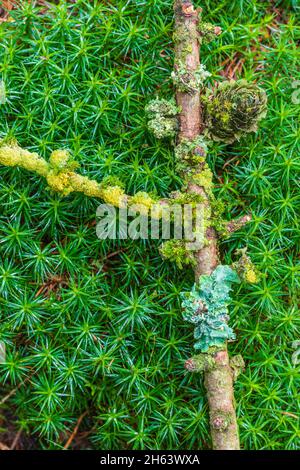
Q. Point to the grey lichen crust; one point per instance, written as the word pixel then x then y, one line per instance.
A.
pixel 162 118
pixel 206 306
pixel 234 109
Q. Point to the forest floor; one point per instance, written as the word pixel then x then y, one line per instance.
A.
pixel 94 335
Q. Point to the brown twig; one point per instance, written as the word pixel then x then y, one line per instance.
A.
pixel 70 440
pixel 292 415
pixel 16 440
pixel 14 390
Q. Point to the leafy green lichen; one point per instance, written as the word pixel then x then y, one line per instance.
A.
pixel 206 306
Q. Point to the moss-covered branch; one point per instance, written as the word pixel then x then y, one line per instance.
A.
pixel 61 177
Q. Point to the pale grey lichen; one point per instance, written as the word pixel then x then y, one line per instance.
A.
pixel 162 127
pixel 161 106
pixel 188 80
pixel 162 121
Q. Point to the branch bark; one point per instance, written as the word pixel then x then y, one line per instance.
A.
pixel 219 380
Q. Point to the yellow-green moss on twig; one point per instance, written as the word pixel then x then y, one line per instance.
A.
pixel 61 177
pixel 13 155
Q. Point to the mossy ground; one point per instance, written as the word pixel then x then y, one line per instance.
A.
pixel 96 326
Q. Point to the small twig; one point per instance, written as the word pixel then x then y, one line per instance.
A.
pixel 69 441
pixel 3 446
pixel 12 392
pixel 114 253
pixel 16 440
pixel 230 160
pixel 287 413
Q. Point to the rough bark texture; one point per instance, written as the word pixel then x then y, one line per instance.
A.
pixel 187 52
pixel 219 380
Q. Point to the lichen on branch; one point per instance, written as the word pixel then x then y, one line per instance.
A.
pixel 189 81
pixel 177 252
pixel 162 118
pixel 61 178
pixel 245 267
pixel 206 307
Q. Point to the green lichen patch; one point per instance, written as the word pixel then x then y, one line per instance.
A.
pixel 246 268
pixel 206 307
pixel 201 363
pixel 12 155
pixel 184 37
pixel 177 251
pixel 237 365
pixel 208 32
pixel 192 151
pixel 190 162
pixel 61 160
pixel 203 178
pixel 162 120
pixel 178 197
